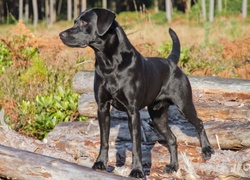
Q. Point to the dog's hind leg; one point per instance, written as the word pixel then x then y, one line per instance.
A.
pixel 189 112
pixel 159 117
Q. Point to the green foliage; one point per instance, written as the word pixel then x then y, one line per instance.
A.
pixel 198 57
pixel 158 18
pixel 165 50
pixel 195 12
pixel 36 71
pixel 5 57
pixel 46 111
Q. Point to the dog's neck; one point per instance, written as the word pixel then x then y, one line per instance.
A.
pixel 113 49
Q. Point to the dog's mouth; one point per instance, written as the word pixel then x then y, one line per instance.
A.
pixel 83 45
pixel 70 41
pixel 73 45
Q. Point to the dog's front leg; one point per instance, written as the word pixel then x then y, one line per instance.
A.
pixel 104 124
pixel 135 132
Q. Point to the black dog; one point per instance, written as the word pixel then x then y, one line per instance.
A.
pixel 129 82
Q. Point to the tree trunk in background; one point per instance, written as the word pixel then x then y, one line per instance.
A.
pixel 26 11
pixel 211 10
pixel 188 6
pixel 156 4
pixel 69 10
pixel 52 11
pixel 168 5
pixel 20 9
pixel 59 7
pixel 84 5
pixel 244 9
pixel 35 12
pixel 1 11
pixel 203 8
pixel 47 11
pixel 219 5
pixel 104 3
pixel 76 8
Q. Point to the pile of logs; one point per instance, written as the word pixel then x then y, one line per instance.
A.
pixel 70 149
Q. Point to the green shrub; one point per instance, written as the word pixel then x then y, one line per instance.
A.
pixel 165 50
pixel 5 57
pixel 36 71
pixel 38 118
pixel 158 18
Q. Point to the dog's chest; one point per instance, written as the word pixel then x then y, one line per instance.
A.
pixel 116 88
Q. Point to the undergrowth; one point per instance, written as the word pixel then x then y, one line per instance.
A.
pixel 35 94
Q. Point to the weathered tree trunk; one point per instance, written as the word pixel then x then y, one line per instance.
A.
pixel 188 6
pixel 26 11
pixel 20 16
pixel 211 10
pixel 168 4
pixel 219 3
pixel 1 10
pixel 244 9
pixel 104 4
pixel 203 8
pixel 76 8
pixel 52 11
pixel 59 7
pixel 84 5
pixel 35 13
pixel 19 164
pixel 47 9
pixel 69 10
pixel 156 5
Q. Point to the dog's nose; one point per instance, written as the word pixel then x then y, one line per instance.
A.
pixel 63 34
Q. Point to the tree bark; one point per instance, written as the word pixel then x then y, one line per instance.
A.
pixel 1 10
pixel 19 164
pixel 59 7
pixel 156 6
pixel 20 9
pixel 244 9
pixel 35 13
pixel 211 10
pixel 188 6
pixel 168 4
pixel 219 5
pixel 26 11
pixel 104 4
pixel 76 8
pixel 47 10
pixel 203 8
pixel 84 5
pixel 69 10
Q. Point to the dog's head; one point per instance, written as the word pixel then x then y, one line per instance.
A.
pixel 88 27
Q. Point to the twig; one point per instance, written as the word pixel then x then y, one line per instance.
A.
pixel 217 139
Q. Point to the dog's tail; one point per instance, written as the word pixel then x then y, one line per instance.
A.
pixel 175 53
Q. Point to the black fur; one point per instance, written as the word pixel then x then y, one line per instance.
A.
pixel 129 82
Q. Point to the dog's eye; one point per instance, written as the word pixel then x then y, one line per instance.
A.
pixel 84 23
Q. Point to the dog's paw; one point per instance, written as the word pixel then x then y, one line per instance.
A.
pixel 207 152
pixel 170 168
pixel 99 165
pixel 137 173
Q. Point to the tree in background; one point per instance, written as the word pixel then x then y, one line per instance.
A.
pixel 53 10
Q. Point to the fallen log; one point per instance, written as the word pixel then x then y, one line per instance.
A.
pixel 215 99
pixel 20 164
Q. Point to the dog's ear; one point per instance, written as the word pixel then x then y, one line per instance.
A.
pixel 105 19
